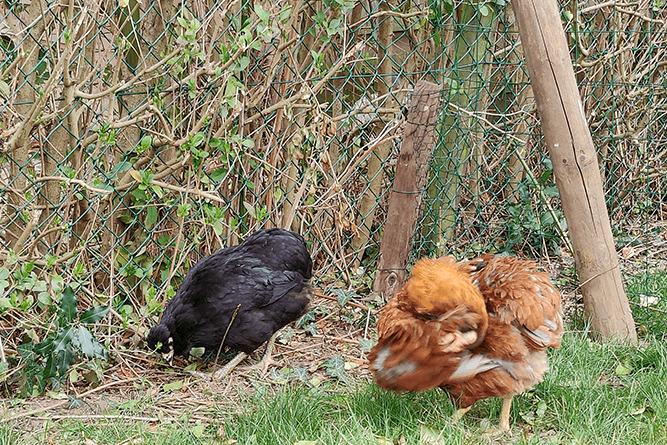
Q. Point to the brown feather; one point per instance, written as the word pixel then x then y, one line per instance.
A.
pixel 476 329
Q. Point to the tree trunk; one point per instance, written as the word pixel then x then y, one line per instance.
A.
pixel 575 165
pixel 369 201
pixel 18 230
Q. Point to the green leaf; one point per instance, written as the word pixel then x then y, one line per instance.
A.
pixel 551 191
pixel 151 216
pixel 624 369
pixel 197 430
pixel 44 298
pixel 67 307
pixel 4 87
pixel 94 314
pixel 198 139
pixel 244 61
pixel 351 365
pixel 174 386
pixel 250 209
pixel 63 350
pixel 85 341
pixel 139 194
pixel 336 368
pixel 262 13
pixel 60 343
pixel 56 395
pixel 541 409
pixel 146 142
pixel 157 190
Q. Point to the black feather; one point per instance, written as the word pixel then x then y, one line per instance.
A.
pixel 268 275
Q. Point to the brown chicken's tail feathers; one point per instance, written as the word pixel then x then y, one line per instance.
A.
pixel 517 292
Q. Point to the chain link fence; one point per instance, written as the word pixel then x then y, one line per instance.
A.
pixel 139 136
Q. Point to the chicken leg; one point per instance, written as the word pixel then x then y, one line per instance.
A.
pixel 266 359
pixel 233 363
pixel 505 413
pixel 263 364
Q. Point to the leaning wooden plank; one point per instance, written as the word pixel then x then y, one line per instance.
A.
pixel 409 183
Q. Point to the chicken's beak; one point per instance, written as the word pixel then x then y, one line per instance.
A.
pixel 169 356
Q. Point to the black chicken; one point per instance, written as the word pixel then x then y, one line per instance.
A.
pixel 266 277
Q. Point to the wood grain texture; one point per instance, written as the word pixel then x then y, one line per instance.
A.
pixel 408 187
pixel 575 166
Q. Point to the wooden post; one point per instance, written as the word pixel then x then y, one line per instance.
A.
pixel 410 181
pixel 575 165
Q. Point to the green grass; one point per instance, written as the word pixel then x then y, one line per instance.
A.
pixel 647 293
pixel 594 394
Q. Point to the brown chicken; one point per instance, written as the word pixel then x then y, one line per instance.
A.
pixel 476 329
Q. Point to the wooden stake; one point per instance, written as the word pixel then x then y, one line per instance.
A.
pixel 409 184
pixel 576 168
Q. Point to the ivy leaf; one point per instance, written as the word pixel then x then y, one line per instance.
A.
pixel 366 344
pixel 311 328
pixel 67 307
pixel 336 368
pixel 305 319
pixel 94 314
pixel 343 296
pixel 74 402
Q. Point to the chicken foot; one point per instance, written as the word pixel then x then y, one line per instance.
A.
pixel 266 359
pixel 458 414
pixel 504 413
pixel 263 364
pixel 233 363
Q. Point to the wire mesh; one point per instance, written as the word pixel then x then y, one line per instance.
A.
pixel 137 139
